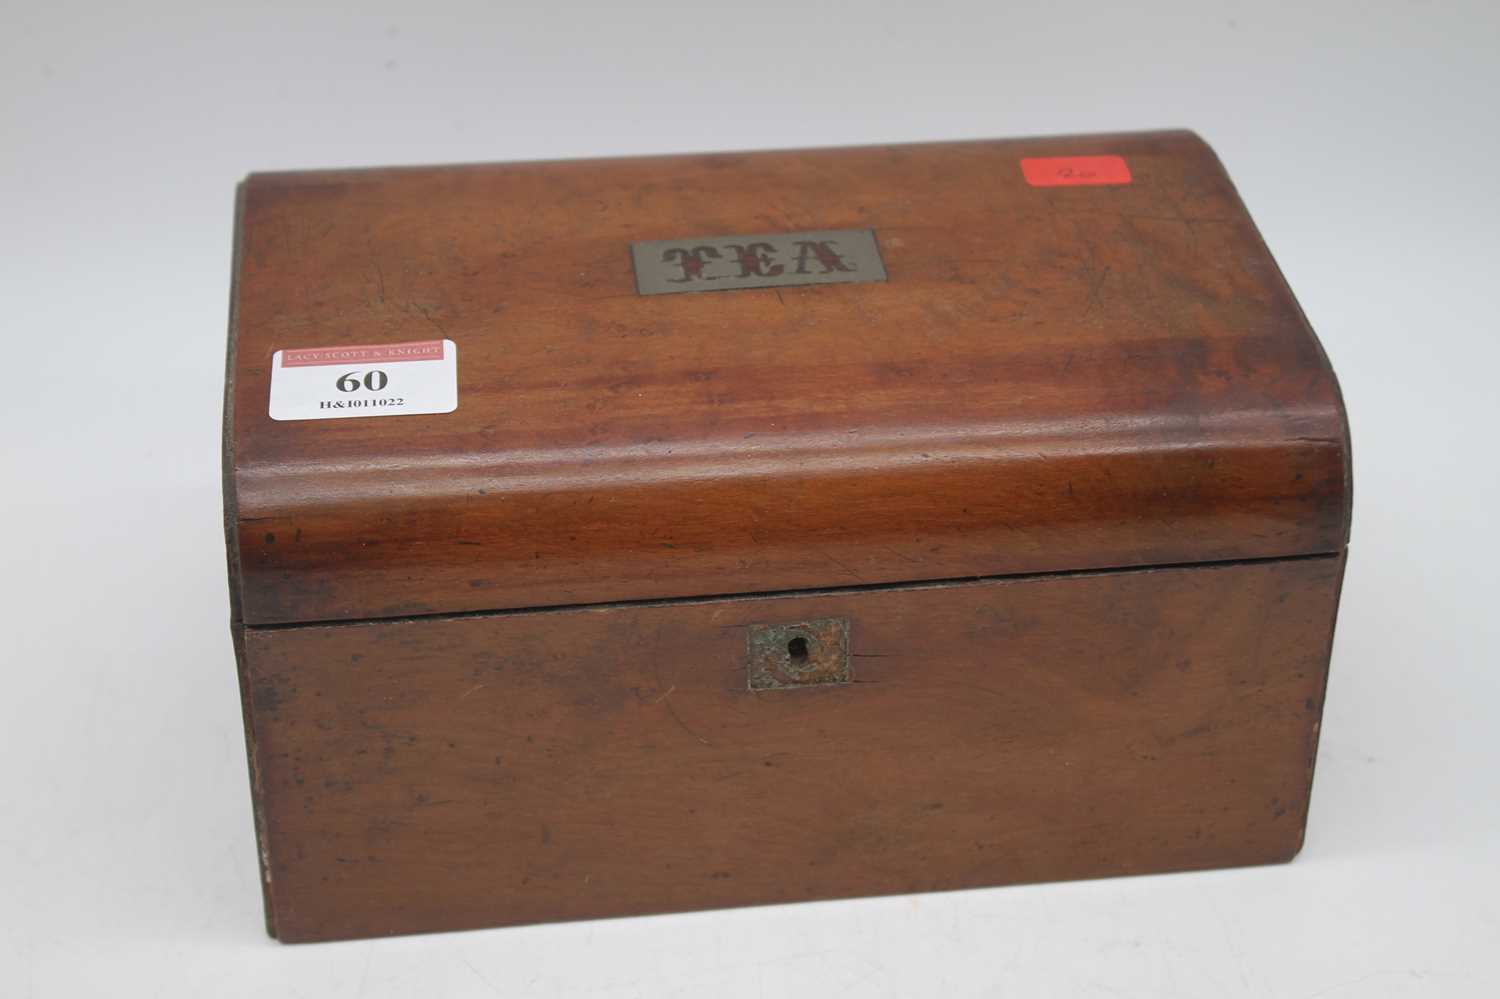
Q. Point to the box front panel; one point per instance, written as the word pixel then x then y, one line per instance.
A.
pixel 442 773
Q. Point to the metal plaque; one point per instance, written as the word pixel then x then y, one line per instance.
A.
pixel 775 260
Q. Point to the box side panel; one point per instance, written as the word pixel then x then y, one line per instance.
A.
pixel 444 773
pixel 227 461
pixel 257 791
pixel 232 556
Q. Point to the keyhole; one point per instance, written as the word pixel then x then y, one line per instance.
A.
pixel 796 651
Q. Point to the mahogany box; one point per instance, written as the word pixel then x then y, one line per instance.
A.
pixel 638 535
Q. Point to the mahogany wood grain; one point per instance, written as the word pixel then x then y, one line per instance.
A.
pixel 1076 476
pixel 1051 379
pixel 481 770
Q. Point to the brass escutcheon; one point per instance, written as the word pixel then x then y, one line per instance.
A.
pixel 803 654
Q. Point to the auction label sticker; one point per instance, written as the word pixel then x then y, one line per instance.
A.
pixel 1074 171
pixel 389 379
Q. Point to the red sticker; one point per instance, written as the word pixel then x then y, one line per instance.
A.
pixel 1075 171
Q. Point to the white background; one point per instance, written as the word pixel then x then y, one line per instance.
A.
pixel 1363 137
